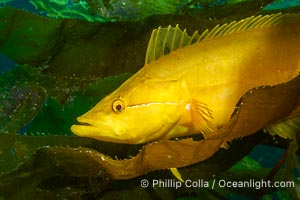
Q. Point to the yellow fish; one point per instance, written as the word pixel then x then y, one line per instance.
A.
pixel 191 84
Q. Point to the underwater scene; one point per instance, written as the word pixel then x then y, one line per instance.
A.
pixel 149 99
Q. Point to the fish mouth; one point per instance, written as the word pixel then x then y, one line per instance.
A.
pixel 84 124
pixel 86 127
pixel 82 121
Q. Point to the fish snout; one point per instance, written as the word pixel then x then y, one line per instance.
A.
pixel 84 122
pixel 100 129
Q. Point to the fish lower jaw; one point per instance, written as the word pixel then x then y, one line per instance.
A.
pixel 84 124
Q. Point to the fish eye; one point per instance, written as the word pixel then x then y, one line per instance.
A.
pixel 118 106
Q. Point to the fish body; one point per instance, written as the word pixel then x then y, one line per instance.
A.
pixel 191 85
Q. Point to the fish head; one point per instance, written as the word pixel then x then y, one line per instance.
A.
pixel 136 112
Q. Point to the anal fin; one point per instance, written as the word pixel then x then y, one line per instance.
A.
pixel 176 173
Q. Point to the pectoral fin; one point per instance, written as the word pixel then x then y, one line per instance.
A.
pixel 202 117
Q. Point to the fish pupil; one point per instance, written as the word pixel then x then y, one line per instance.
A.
pixel 119 107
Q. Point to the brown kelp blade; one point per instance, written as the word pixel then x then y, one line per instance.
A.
pixel 261 107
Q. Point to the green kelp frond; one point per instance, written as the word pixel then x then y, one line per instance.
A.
pixel 56 119
pixel 20 98
pixel 246 163
pixel 105 11
pixel 4 1
pixel 25 92
pixel 68 9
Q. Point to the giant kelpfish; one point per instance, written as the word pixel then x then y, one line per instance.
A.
pixel 192 84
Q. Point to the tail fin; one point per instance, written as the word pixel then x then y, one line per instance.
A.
pixel 286 128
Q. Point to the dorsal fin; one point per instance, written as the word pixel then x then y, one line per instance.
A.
pixel 165 40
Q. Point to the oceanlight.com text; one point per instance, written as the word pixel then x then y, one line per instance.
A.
pixel 200 183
